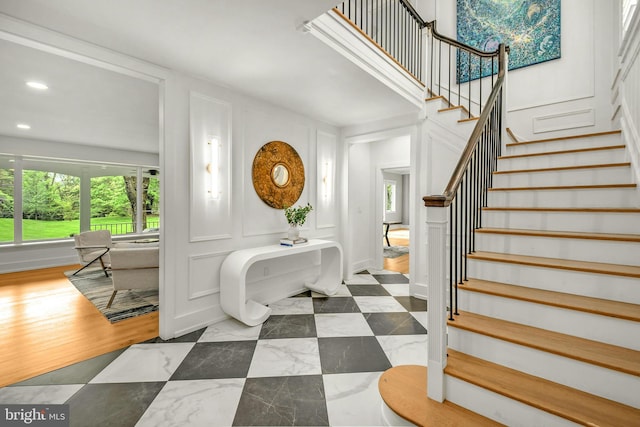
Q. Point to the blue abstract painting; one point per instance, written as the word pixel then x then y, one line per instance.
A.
pixel 531 28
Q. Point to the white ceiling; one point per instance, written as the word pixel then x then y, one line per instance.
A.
pixel 255 47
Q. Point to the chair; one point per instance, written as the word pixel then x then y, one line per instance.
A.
pixel 94 246
pixel 134 267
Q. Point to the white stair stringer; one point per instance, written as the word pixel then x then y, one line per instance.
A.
pixel 582 249
pixel 616 222
pixel 592 379
pixel 605 286
pixel 498 407
pixel 595 327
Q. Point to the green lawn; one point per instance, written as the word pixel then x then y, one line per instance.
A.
pixel 38 230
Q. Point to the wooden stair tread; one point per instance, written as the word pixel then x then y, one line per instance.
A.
pixel 404 390
pixel 604 307
pixel 552 209
pixel 563 138
pixel 574 405
pixel 562 264
pixel 573 151
pixel 594 352
pixel 565 187
pixel 563 168
pixel 562 234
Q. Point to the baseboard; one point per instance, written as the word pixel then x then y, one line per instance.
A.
pixel 419 290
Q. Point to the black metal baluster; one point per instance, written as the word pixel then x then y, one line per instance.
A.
pixel 469 83
pixel 451 261
pixel 480 81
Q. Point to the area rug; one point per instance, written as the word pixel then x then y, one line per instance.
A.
pixel 394 251
pixel 127 304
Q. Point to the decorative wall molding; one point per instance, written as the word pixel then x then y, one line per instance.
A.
pixel 199 276
pixel 209 217
pixel 567 120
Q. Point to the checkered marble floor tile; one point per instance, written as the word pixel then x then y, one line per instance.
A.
pixel 315 362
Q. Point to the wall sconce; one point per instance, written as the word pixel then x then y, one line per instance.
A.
pixel 213 167
pixel 326 180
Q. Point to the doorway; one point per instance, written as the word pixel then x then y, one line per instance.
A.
pixel 396 219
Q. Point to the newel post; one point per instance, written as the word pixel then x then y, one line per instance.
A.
pixel 437 297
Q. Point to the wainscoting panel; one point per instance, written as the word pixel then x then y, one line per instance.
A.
pixel 204 274
pixel 568 120
pixel 210 178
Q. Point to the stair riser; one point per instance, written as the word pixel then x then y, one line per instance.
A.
pixel 616 288
pixel 565 144
pixel 559 160
pixel 606 251
pixel 619 332
pixel 586 198
pixel 432 107
pixel 499 408
pixel 591 176
pixel 596 222
pixel 582 376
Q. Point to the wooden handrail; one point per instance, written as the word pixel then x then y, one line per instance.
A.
pixel 432 26
pixel 444 200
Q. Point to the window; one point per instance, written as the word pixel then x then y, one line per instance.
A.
pixel 6 199
pixel 50 204
pixel 62 198
pixel 390 196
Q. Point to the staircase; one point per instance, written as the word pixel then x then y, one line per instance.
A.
pixel 549 325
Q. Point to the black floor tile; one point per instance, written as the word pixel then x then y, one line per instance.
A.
pixel 351 354
pixel 363 272
pixel 283 401
pixel 212 360
pixel 190 337
pixel 335 305
pixel 394 324
pixel 413 303
pixel 305 294
pixel 367 290
pixel 117 405
pixel 78 373
pixel 391 279
pixel 289 326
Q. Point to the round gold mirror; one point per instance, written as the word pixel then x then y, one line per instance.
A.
pixel 278 174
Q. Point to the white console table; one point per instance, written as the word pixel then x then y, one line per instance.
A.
pixel 233 276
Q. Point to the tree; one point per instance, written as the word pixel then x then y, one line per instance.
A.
pixel 130 186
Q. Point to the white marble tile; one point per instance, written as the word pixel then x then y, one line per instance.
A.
pixel 38 394
pixel 342 325
pixel 145 362
pixel 361 279
pixel 398 290
pixel 230 330
pixel 280 357
pixel 342 291
pixel 296 305
pixel 353 399
pixel 421 316
pixel 379 304
pixel 194 403
pixel 405 349
pixel 382 272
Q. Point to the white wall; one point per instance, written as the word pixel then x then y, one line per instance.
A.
pixel 194 251
pixel 564 96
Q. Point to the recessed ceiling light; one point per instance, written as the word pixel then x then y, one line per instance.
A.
pixel 23 126
pixel 37 85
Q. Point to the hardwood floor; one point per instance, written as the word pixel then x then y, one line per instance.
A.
pixel 398 237
pixel 48 324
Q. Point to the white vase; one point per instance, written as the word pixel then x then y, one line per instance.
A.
pixel 294 232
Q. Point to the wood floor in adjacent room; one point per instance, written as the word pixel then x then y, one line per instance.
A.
pixel 48 324
pixel 398 237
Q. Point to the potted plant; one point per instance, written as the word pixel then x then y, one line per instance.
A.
pixel 295 218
